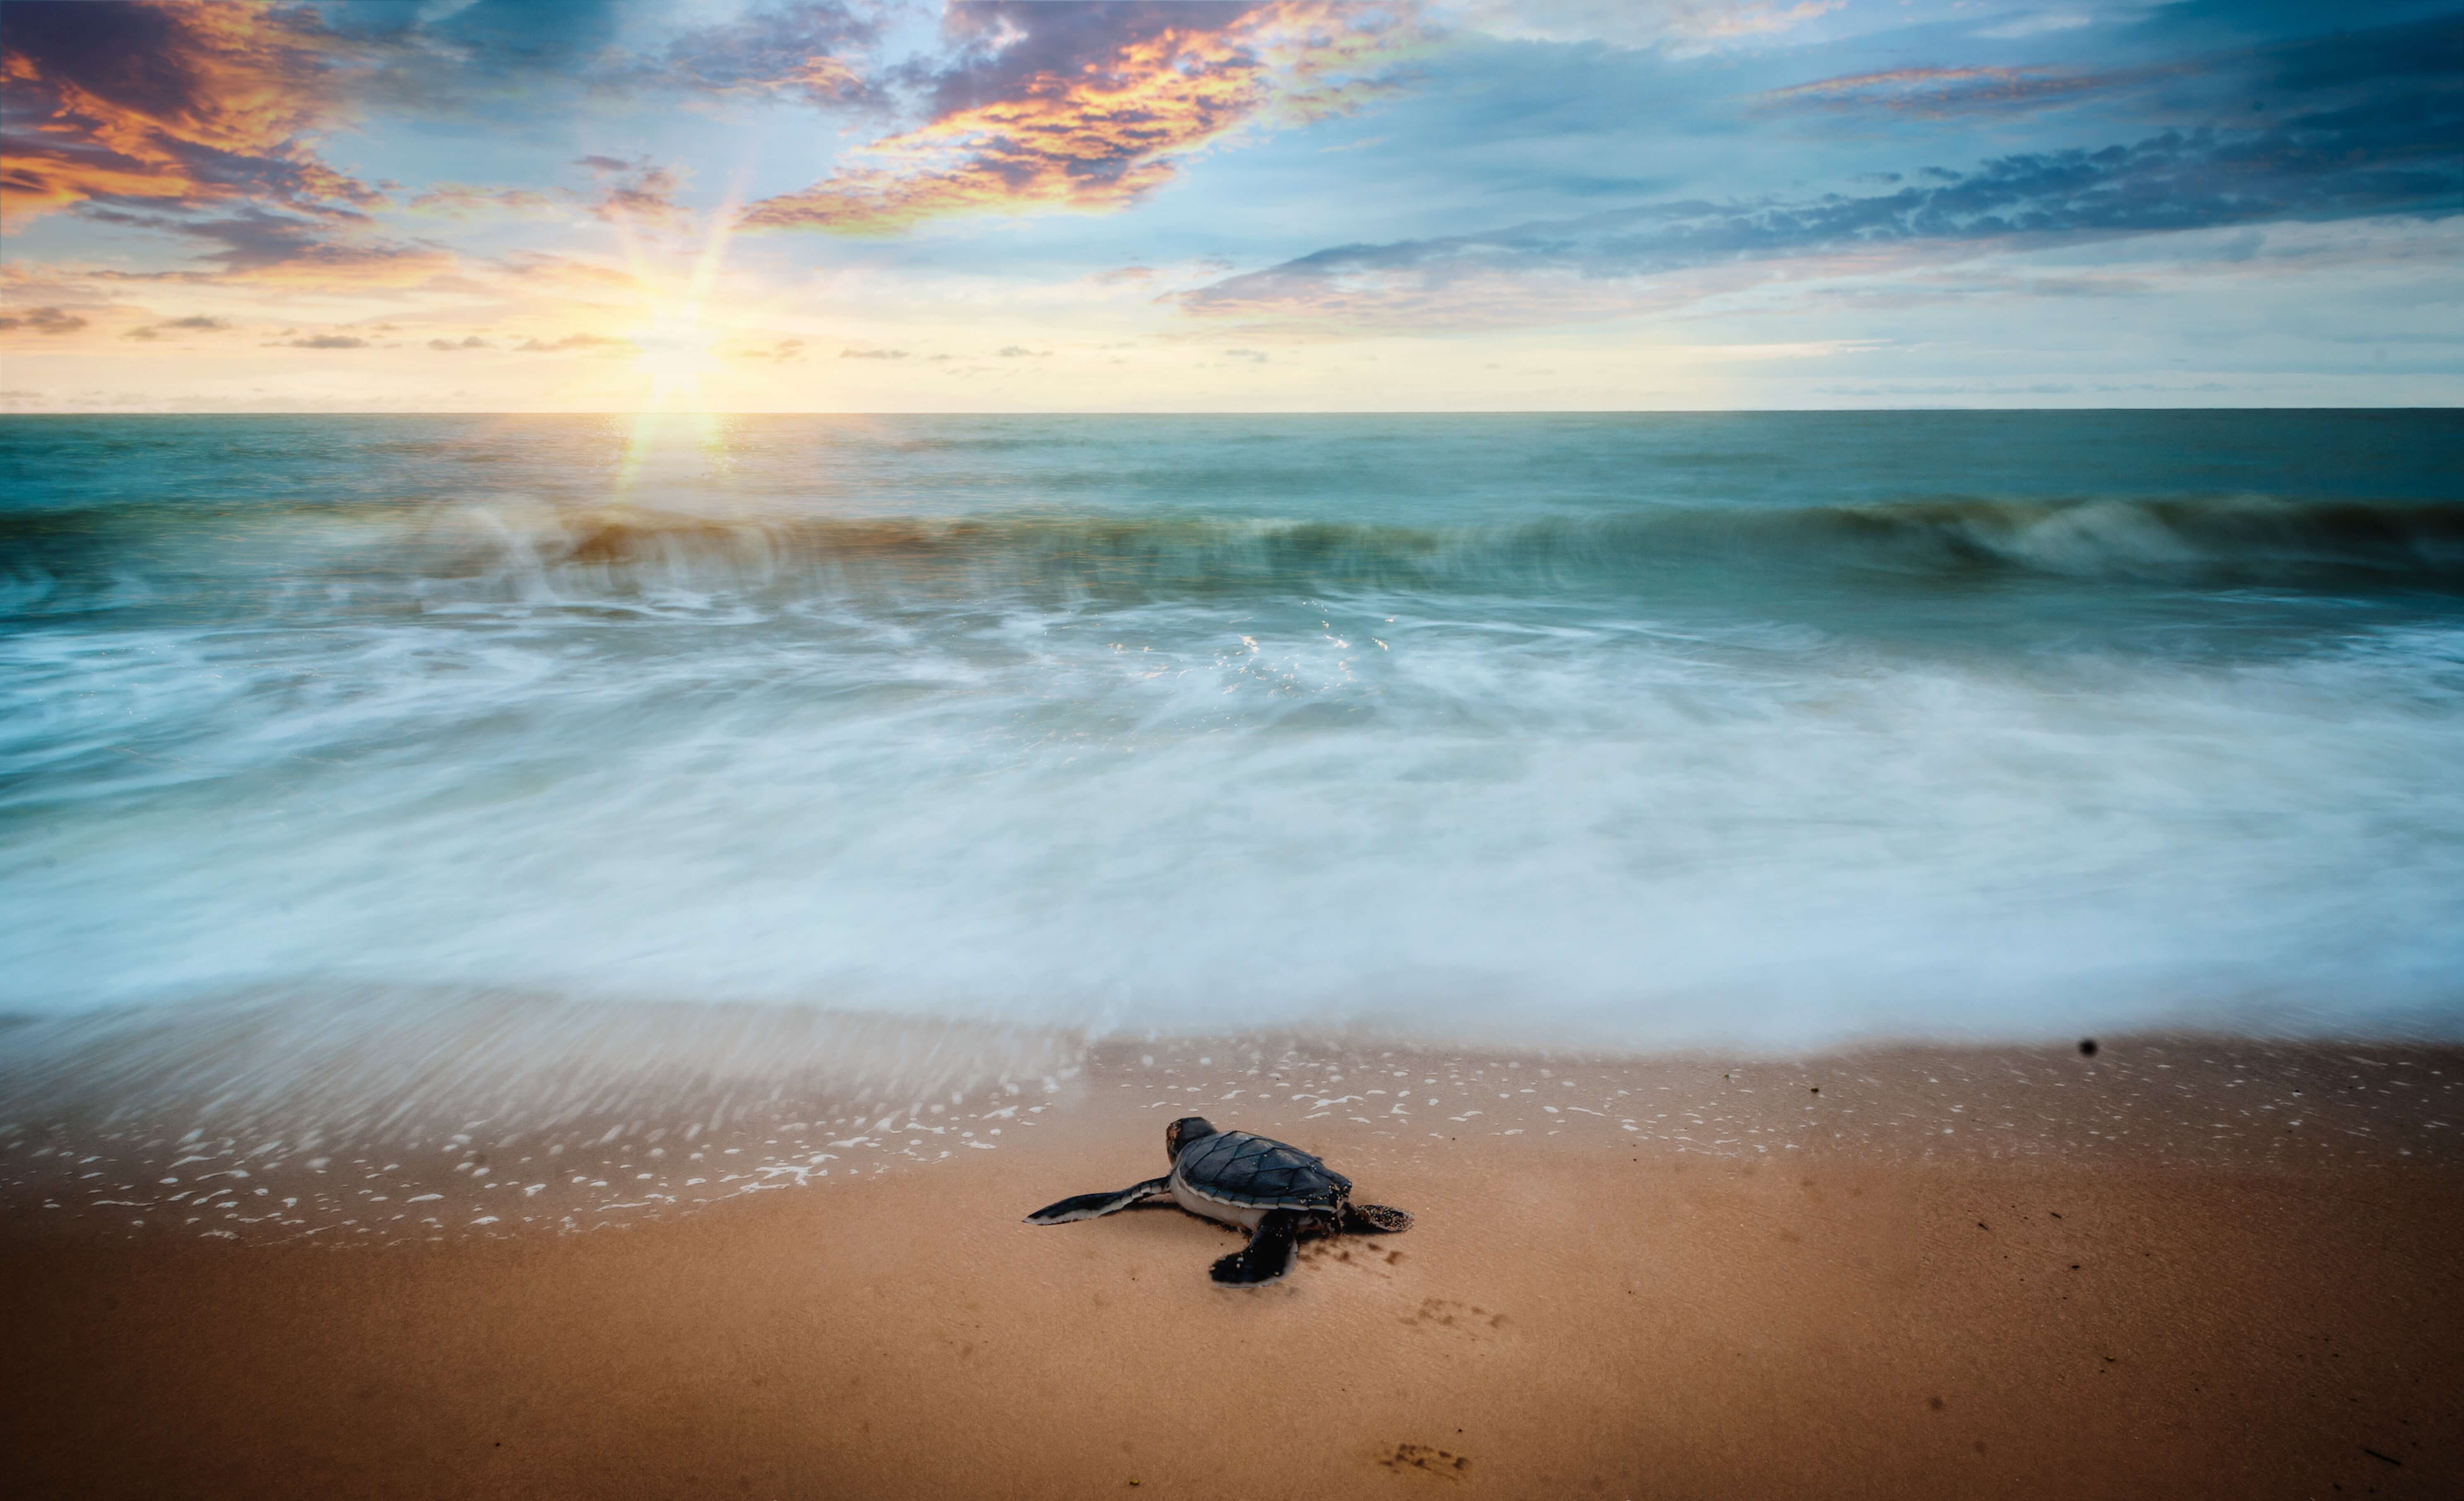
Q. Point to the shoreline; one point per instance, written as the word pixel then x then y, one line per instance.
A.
pixel 2148 1311
pixel 282 1126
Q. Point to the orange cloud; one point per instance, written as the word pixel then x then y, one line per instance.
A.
pixel 1099 131
pixel 170 103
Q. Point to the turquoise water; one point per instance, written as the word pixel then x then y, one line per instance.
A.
pixel 1768 729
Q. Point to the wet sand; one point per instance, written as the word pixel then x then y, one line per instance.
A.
pixel 1778 1308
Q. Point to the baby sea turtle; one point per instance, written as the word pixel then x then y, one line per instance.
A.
pixel 1274 1191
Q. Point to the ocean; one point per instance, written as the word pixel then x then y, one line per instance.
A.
pixel 1766 731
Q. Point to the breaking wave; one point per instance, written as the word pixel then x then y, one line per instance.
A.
pixel 509 549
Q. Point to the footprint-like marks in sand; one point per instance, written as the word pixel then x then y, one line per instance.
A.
pixel 1447 1313
pixel 1428 1460
pixel 1374 1258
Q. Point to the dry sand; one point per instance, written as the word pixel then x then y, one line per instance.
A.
pixel 1605 1311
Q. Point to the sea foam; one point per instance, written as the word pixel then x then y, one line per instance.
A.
pixel 1527 731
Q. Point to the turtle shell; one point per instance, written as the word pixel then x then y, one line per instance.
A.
pixel 1236 1167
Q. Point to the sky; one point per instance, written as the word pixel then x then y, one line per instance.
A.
pixel 1216 206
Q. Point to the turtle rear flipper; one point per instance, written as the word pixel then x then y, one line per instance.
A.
pixel 1088 1206
pixel 1374 1218
pixel 1272 1248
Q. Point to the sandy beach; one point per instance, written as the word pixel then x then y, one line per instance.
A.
pixel 1598 1312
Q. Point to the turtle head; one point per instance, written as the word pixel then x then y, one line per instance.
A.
pixel 1184 1131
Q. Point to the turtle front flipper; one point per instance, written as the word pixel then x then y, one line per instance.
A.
pixel 1273 1247
pixel 1088 1206
pixel 1374 1218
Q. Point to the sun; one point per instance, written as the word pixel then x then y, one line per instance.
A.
pixel 676 446
pixel 677 336
pixel 678 355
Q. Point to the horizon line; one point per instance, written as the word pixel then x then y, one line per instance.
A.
pixel 1257 411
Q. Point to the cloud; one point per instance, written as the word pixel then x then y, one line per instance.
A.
pixel 1754 18
pixel 1088 107
pixel 328 341
pixel 168 105
pixel 2038 24
pixel 202 119
pixel 1945 91
pixel 507 60
pixel 251 239
pixel 872 354
pixel 197 324
pixel 636 192
pixel 42 320
pixel 462 200
pixel 1682 27
pixel 1021 352
pixel 571 342
pixel 566 276
pixel 469 342
pixel 258 244
pixel 199 122
pixel 2379 149
pixel 797 51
